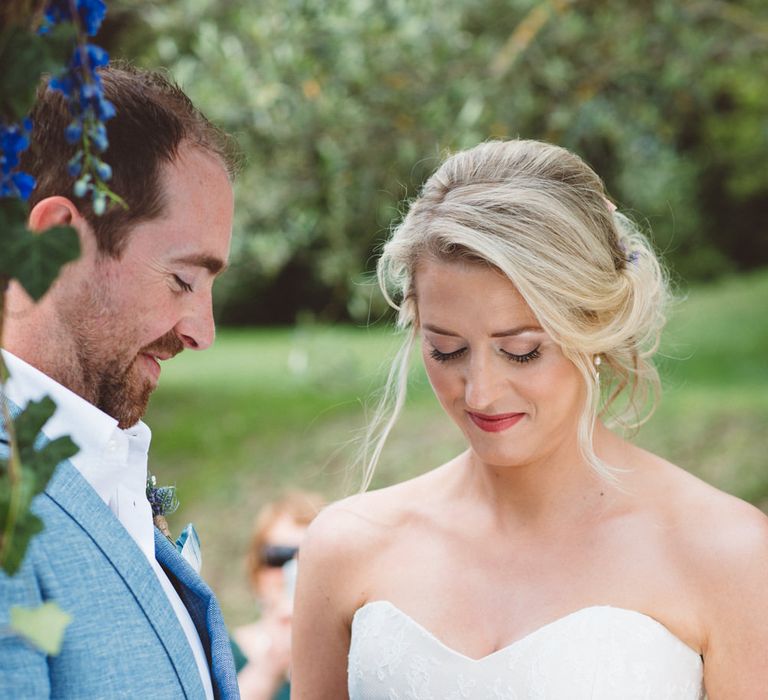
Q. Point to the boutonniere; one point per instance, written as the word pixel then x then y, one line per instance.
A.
pixel 163 501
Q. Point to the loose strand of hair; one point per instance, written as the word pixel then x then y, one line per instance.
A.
pixel 388 410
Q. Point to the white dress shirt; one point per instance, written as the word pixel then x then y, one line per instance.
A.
pixel 114 463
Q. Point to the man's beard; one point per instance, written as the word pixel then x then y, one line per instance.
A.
pixel 120 389
pixel 96 357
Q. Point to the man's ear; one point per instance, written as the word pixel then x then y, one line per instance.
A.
pixel 52 211
pixel 60 211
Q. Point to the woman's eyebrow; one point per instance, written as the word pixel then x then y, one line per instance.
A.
pixel 517 331
pixel 439 331
pixel 500 334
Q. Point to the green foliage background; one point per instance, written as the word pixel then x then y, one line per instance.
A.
pixel 344 107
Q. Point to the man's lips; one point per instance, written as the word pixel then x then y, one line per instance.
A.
pixel 151 362
pixel 495 423
pixel 163 348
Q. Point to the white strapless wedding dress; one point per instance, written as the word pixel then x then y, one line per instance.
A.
pixel 597 653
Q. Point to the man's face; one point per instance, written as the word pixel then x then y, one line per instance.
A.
pixel 126 315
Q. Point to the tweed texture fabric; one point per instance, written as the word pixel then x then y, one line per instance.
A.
pixel 125 641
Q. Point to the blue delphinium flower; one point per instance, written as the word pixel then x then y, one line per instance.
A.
pixel 14 139
pixel 82 87
pixel 90 14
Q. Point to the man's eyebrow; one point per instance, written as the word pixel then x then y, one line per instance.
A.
pixel 211 263
pixel 500 334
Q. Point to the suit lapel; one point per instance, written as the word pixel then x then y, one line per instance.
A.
pixel 205 613
pixel 75 496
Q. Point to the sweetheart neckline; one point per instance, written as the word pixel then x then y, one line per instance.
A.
pixel 533 633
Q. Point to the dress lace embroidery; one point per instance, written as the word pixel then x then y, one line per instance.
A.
pixel 597 653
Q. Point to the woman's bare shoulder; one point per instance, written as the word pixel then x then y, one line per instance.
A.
pixel 348 541
pixel 720 544
pixel 711 528
pixel 362 522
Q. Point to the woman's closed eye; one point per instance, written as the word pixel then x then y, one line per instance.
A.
pixel 522 358
pixel 525 357
pixel 435 354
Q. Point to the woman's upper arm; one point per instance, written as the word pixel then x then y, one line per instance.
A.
pixel 736 606
pixel 324 604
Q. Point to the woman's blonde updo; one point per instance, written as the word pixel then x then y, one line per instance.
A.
pixel 540 215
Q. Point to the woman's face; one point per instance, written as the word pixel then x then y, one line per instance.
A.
pixel 495 371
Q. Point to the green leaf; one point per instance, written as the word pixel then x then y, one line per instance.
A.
pixel 25 56
pixel 32 419
pixel 37 466
pixel 26 527
pixel 42 462
pixel 34 259
pixel 43 626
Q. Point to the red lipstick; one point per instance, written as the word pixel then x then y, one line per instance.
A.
pixel 495 423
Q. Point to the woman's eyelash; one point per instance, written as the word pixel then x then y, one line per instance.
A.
pixel 185 286
pixel 445 356
pixel 522 359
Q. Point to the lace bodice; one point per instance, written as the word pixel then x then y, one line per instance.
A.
pixel 597 653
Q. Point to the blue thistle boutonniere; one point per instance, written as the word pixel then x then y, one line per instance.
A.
pixel 163 501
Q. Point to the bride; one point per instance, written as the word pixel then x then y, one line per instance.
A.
pixel 553 559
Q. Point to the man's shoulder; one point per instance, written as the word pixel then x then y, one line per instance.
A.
pixel 80 535
pixel 99 577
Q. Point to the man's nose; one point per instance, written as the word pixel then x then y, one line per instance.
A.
pixel 197 328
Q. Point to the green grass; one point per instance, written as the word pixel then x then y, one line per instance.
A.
pixel 265 410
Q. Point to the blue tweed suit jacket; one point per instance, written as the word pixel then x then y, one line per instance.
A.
pixel 125 640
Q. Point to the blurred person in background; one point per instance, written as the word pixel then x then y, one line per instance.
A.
pixel 266 644
pixel 553 558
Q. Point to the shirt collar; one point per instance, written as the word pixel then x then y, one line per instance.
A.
pixel 90 428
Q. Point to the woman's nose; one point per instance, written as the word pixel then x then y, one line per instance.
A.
pixel 482 383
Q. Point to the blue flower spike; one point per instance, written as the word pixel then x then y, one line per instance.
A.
pixel 90 14
pixel 74 132
pixel 14 140
pixel 104 170
pixel 99 202
pixel 98 135
pixel 81 86
pixel 75 164
pixel 82 186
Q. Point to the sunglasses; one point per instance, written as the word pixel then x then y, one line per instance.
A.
pixel 275 555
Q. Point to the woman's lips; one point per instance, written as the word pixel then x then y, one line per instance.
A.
pixel 495 423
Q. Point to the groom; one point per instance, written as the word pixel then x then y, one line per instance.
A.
pixel 144 625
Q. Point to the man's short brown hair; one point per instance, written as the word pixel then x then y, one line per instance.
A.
pixel 154 119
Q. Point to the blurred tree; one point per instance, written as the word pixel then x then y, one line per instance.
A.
pixel 345 106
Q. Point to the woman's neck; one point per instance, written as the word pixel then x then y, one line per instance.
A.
pixel 555 491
